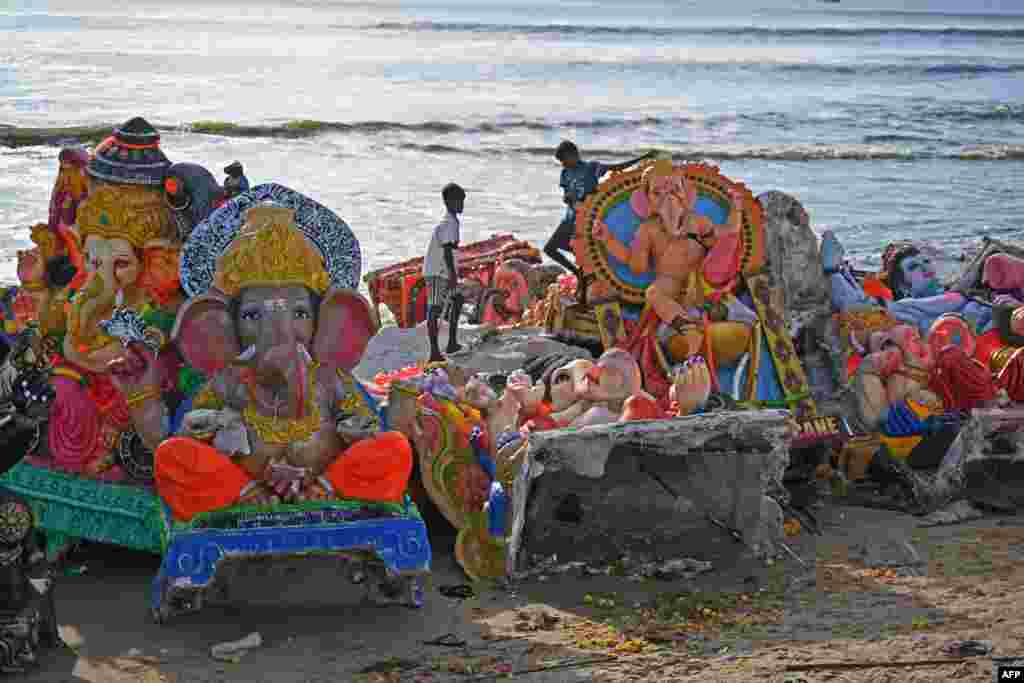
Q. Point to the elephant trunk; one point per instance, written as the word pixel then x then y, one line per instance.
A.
pixel 279 379
pixel 96 300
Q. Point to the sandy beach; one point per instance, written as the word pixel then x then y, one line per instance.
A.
pixel 876 588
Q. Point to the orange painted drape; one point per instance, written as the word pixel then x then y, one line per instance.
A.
pixel 193 477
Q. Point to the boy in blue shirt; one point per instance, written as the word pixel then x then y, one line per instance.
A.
pixel 578 180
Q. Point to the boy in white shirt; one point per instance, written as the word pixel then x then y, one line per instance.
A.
pixel 440 272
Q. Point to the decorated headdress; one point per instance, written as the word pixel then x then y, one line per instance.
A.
pixel 294 240
pixel 662 168
pixel 135 214
pixel 270 251
pixel 131 156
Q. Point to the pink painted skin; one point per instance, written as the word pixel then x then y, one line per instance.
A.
pixel 691 387
pixel 909 340
pixel 514 284
pixel 615 377
pixel 641 407
pixel 1017 321
pixel 529 396
pixel 890 361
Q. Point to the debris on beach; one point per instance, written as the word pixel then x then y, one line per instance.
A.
pixel 234 650
pixel 682 568
pixel 632 567
pixel 542 620
pixel 967 648
pixel 954 513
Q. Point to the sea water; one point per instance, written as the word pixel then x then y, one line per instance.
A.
pixel 886 119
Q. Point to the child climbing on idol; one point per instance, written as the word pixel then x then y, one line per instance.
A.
pixel 579 179
pixel 440 272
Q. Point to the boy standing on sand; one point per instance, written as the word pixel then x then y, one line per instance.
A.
pixel 441 274
pixel 578 180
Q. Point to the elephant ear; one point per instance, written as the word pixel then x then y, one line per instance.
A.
pixel 205 333
pixel 346 324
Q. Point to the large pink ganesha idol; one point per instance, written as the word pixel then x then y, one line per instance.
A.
pixel 279 417
pixel 679 243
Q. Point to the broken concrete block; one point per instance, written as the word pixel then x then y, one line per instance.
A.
pixel 992 466
pixel 698 486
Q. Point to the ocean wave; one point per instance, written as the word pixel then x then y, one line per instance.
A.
pixel 972 69
pixel 902 69
pixel 15 136
pixel 735 31
pixel 782 152
pixel 965 113
pixel 991 153
pixel 776 152
pixel 892 138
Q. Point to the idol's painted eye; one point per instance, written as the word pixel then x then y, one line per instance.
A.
pixel 252 314
pixel 302 314
pixel 561 378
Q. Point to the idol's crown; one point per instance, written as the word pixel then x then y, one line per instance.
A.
pixel 128 212
pixel 270 250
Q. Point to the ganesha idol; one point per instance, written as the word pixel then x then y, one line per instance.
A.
pixel 909 396
pixel 681 250
pixel 514 287
pixel 583 393
pixel 43 273
pixel 105 264
pixel 47 268
pixel 119 256
pixel 276 333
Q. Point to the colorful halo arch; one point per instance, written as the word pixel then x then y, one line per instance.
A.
pixel 610 203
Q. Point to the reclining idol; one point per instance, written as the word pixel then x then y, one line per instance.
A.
pixel 987 359
pixel 920 357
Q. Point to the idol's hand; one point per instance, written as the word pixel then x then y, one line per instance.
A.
pixel 202 424
pixel 135 370
pixel 735 197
